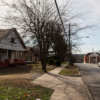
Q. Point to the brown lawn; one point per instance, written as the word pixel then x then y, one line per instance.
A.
pixel 23 71
pixel 70 70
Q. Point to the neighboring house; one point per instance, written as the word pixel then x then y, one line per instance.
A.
pixel 36 55
pixel 32 54
pixel 11 44
pixel 79 58
pixel 92 58
pixel 29 54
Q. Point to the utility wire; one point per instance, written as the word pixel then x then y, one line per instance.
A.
pixel 60 15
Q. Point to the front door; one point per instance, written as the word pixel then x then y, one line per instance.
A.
pixel 9 54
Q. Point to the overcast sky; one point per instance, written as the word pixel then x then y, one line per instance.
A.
pixel 92 7
pixel 93 17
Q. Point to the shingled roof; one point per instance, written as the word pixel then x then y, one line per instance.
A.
pixel 90 54
pixel 28 48
pixel 4 32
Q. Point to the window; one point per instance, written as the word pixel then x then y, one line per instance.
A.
pixel 21 55
pixel 12 40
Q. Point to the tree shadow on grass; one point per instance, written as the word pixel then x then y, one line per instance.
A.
pixel 18 69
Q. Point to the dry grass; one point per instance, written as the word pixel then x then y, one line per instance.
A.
pixel 24 69
pixel 69 70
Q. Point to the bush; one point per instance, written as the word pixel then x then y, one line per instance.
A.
pixel 47 59
pixel 54 57
pixel 58 63
pixel 51 62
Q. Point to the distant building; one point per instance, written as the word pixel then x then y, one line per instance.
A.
pixel 36 55
pixel 79 58
pixel 92 58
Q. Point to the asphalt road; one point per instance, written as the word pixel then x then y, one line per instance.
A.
pixel 91 78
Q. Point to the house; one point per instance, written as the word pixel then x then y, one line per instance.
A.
pixel 29 54
pixel 11 45
pixel 32 55
pixel 92 58
pixel 36 55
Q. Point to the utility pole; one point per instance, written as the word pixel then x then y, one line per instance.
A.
pixel 69 44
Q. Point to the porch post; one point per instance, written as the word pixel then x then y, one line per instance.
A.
pixel 29 56
pixel 16 54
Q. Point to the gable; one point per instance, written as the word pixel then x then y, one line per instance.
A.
pixel 6 42
pixel 94 55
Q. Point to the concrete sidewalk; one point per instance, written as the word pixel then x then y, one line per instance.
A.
pixel 66 87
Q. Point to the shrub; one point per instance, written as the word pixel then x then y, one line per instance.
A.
pixel 51 62
pixel 58 63
pixel 54 57
pixel 47 59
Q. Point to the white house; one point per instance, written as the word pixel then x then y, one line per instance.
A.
pixel 11 44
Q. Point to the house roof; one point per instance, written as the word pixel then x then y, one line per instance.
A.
pixel 90 54
pixel 28 48
pixel 4 32
pixel 36 52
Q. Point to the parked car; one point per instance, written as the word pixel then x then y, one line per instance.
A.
pixel 98 64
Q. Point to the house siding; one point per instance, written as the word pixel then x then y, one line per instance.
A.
pixel 5 42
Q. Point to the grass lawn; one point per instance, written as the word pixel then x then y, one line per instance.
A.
pixel 69 70
pixel 64 62
pixel 22 89
pixel 29 71
pixel 15 83
pixel 24 69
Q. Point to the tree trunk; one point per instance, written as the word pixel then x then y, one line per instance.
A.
pixel 44 68
pixel 43 61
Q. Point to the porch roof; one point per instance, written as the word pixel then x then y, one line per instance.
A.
pixel 12 49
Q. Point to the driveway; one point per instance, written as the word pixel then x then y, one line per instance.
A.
pixel 91 77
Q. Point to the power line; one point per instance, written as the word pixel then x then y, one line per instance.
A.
pixel 64 27
pixel 59 15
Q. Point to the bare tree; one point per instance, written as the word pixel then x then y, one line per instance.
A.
pixel 38 20
pixel 59 45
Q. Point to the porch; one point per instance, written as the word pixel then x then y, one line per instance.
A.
pixel 94 58
pixel 8 57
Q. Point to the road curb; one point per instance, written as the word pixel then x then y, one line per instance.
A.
pixel 79 72
pixel 89 93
